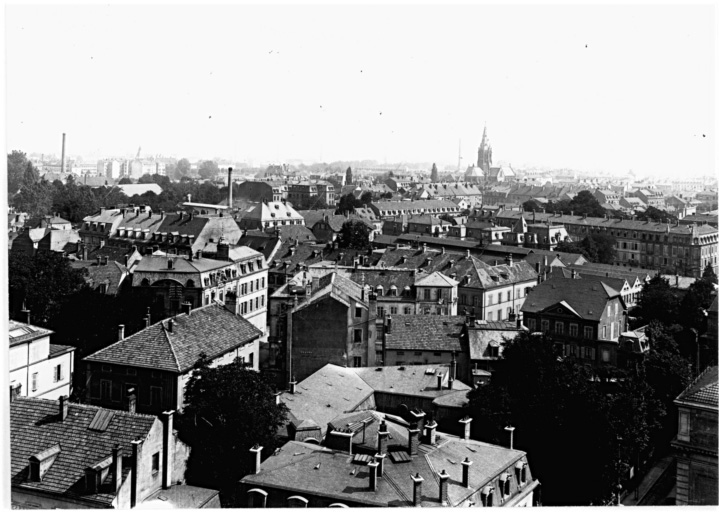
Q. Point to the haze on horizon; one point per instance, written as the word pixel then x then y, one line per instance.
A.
pixel 597 88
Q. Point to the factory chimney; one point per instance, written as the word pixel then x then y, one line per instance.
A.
pixel 63 154
pixel 229 186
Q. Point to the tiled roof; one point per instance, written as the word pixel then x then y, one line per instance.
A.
pixel 111 275
pixel 56 350
pixel 409 380
pixel 386 278
pixel 436 279
pixel 271 211
pixel 704 390
pixel 480 340
pixel 336 286
pixel 425 332
pixel 209 330
pixel 587 297
pixel 329 391
pixel 35 427
pixel 488 277
pixel 261 242
pixel 19 332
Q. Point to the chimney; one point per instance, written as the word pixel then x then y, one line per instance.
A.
pixel 135 477
pixel 379 459
pixel 293 385
pixel 62 164
pixel 26 313
pixel 257 450
pixel 120 332
pixel 186 308
pixel 131 400
pixel 15 389
pixel 117 467
pixel 417 497
pixel 373 475
pixel 509 259
pixel 167 448
pixel 431 433
pixel 418 417
pixel 170 323
pixel 231 303
pixel 439 381
pixel 413 434
pixel 169 264
pixel 465 472
pixel 453 368
pixel 229 186
pixel 443 484
pixel 64 405
pixel 467 422
pixel 339 440
pixel 382 436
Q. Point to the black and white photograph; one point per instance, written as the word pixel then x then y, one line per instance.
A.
pixel 269 255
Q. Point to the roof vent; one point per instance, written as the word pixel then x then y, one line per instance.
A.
pixel 401 368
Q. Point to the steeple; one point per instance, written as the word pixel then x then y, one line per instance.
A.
pixel 484 155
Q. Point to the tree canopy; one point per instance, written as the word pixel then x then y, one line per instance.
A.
pixel 16 164
pixel 35 196
pixel 655 215
pixel 347 204
pixel 182 168
pixel 208 170
pixel 354 234
pixel 596 247
pixel 228 410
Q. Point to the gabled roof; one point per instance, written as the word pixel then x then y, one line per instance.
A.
pixel 210 330
pixel 438 280
pixel 587 297
pixel 384 277
pixel 110 275
pixel 426 333
pixel 704 390
pixel 335 286
pixel 19 332
pixel 415 380
pixel 271 211
pixel 35 426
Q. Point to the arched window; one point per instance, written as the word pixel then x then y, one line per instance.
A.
pixel 145 282
pixel 190 283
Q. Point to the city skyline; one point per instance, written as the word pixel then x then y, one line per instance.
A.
pixel 594 88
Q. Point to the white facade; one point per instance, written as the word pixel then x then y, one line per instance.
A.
pixel 41 369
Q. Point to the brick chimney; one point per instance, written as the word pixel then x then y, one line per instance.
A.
pixel 413 434
pixel 231 302
pixel 443 486
pixel 229 186
pixel 388 325
pixel 257 450
pixel 186 308
pixel 417 495
pixel 439 381
pixel 167 448
pixel 339 440
pixel 15 389
pixel 131 400
pixel 120 332
pixel 135 474
pixel 418 417
pixel 466 421
pixel 373 475
pixel 64 406
pixel 382 438
pixel 465 471
pixel 430 433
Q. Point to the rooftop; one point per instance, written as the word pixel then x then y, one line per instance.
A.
pixel 425 332
pixel 704 390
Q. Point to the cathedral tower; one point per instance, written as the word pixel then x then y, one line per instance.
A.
pixel 484 155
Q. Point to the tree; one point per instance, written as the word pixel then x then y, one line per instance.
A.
pixel 366 197
pixel 42 283
pixel 228 410
pixel 655 215
pixel 709 275
pixel 657 301
pixel 531 205
pixel 208 170
pixel 73 202
pixel 347 204
pixel 354 235
pixel 434 175
pixel 182 168
pixel 16 165
pixel 348 176
pixel 585 203
pixel 596 247
pixel 125 181
pixel 35 196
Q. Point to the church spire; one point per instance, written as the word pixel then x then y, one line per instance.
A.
pixel 484 155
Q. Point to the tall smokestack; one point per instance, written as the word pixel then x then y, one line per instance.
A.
pixel 63 154
pixel 229 185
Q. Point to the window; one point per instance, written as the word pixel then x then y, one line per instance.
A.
pixel 490 316
pixel 588 332
pixel 531 324
pixel 257 303
pixel 252 287
pixel 263 282
pixel 475 300
pixel 573 330
pixel 499 315
pixel 407 310
pixel 380 311
pixel 57 373
pixel 105 389
pixel 545 325
pixel 358 336
pixel 604 332
pixel 262 301
pixel 684 421
pixel 426 294
pixel 155 463
pixel 357 361
pixel 509 295
pixel 393 310
pixel 115 393
pixel 155 395
pixel 559 327
pixel 358 312
pixel 605 355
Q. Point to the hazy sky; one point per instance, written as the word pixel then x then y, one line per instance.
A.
pixel 591 87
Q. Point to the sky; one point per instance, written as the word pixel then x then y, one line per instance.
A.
pixel 607 88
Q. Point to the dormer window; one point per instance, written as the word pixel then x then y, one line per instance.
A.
pixel 487 496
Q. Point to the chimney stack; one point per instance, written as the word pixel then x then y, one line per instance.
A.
pixel 439 381
pixel 413 434
pixel 373 475
pixel 379 459
pixel 64 405
pixel 257 450
pixel 229 186
pixel 117 466
pixel 26 313
pixel 169 325
pixel 467 421
pixel 293 385
pixel 382 436
pixel 418 417
pixel 120 332
pixel 431 430
pixel 388 325
pixel 62 164
pixel 417 497
pixel 15 388
pixel 167 448
pixel 135 477
pixel 186 308
pixel 465 471
pixel 131 400
pixel 443 485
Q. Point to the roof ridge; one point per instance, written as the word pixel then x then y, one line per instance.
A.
pixel 45 401
pixel 172 348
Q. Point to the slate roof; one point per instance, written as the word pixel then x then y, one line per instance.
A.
pixel 437 279
pixel 313 216
pixel 211 330
pixel 481 338
pixel 386 278
pixel 262 242
pixel 409 380
pixel 316 470
pixel 336 286
pixel 628 273
pixel 489 277
pixel 35 427
pixel 329 391
pixel 425 332
pixel 587 297
pixel 19 332
pixel 111 275
pixel 704 390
